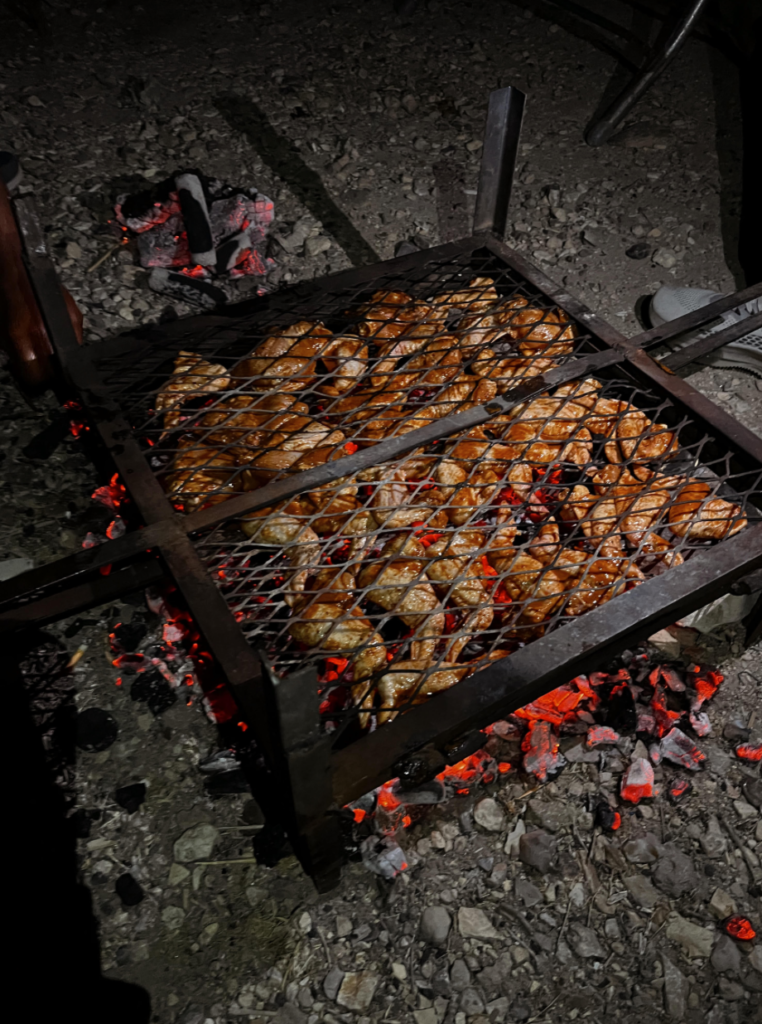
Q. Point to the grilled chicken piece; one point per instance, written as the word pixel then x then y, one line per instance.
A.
pixel 597 517
pixel 479 296
pixel 237 416
pixel 347 362
pixel 192 377
pixel 454 566
pixel 399 585
pixel 415 680
pixel 543 332
pixel 390 314
pixel 298 541
pixel 697 514
pixel 638 439
pixel 202 475
pixel 287 361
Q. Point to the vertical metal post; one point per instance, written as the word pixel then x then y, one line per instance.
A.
pixel 314 832
pixel 501 143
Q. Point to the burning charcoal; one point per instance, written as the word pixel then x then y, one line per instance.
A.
pixel 153 689
pixel 637 781
pixel 131 797
pixel 606 817
pixel 739 927
pixel 432 792
pixel 383 856
pixel 231 251
pixel 183 286
pixel 678 748
pixel 620 710
pixel 127 635
pixel 599 735
pixel 129 891
pixel 190 193
pixel 654 752
pixel 542 756
pixel 96 729
pixel 700 723
pixel 678 789
pixel 749 752
pixel 537 849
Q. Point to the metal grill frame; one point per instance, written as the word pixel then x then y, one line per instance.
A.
pixel 305 780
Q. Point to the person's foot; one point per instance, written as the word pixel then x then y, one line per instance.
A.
pixel 669 303
pixel 10 169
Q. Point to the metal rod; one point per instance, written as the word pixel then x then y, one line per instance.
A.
pixel 531 671
pixel 501 143
pixel 703 346
pixel 698 318
pixel 602 129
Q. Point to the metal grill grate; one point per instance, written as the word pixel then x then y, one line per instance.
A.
pixel 402 579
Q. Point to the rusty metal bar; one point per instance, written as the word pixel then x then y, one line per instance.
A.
pixel 512 682
pixel 501 142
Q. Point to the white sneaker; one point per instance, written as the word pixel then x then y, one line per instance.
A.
pixel 669 303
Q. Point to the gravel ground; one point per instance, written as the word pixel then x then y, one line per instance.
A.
pixel 370 106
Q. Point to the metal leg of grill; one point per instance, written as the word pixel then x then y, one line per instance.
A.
pixel 306 771
pixel 501 143
pixel 602 129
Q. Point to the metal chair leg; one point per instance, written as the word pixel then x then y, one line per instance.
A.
pixel 602 129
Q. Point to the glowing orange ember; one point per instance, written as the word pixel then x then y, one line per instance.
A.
pixel 359 815
pixel 617 821
pixel 638 781
pixel 740 928
pixel 749 753
pixel 350 447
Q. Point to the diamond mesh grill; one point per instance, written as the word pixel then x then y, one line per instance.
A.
pixel 400 581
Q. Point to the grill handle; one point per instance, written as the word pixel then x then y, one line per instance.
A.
pixel 501 144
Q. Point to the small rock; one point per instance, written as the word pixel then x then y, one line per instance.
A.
pixel 196 843
pixel 520 954
pixel 639 251
pixel 332 983
pixel 675 989
pixel 460 976
pixel 314 246
pixel 409 103
pixel 173 917
pixel 752 790
pixel 489 815
pixel 665 258
pixel 399 971
pixel 305 923
pixel 537 849
pixel 471 1002
pixel 611 929
pixel 177 875
pixel 675 874
pixel 585 942
pixel 474 145
pixel 529 894
pixel 756 958
pixel 552 815
pixel 35 101
pixel 642 849
pixel 730 990
pixel 435 925
pixel 712 839
pixel 722 905
pixel 695 940
pixel 288 1014
pixel 641 890
pixel 343 926
pixel 744 811
pixel 357 990
pixel 474 924
pixel 726 956
pixel 735 733
pixel 428 1015
pixel 73 251
pixel 513 841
